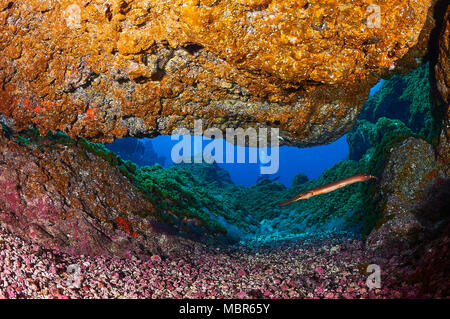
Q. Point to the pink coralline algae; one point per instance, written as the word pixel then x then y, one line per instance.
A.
pixel 293 270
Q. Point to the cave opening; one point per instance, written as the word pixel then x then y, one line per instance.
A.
pixel 238 201
pixel 309 161
pixel 400 106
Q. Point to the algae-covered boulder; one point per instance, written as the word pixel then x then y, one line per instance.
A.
pixel 405 98
pixel 260 200
pixel 403 105
pixel 211 175
pixel 299 179
pixel 73 197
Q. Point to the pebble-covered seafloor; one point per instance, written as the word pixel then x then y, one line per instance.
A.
pixel 320 268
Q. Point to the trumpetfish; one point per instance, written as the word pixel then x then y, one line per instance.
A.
pixel 327 188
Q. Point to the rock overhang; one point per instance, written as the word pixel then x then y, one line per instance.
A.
pixel 106 69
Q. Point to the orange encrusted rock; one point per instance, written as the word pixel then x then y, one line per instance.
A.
pixel 105 69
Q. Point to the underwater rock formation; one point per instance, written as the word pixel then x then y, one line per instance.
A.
pixel 137 151
pixel 442 67
pixel 410 174
pixel 102 70
pixel 405 98
pixel 402 106
pixel 299 179
pixel 366 135
pixel 259 200
pixel 63 197
pixel 105 69
pixel 442 70
pixel 186 201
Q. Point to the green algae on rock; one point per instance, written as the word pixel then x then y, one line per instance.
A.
pixel 406 98
pixel 410 171
pixel 345 210
pixel 366 135
pixel 403 104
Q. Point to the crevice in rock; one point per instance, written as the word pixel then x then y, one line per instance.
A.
pixel 193 48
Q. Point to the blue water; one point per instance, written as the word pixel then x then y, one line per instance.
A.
pixel 376 87
pixel 292 160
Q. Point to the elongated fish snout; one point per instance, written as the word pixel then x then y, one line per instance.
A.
pixel 329 187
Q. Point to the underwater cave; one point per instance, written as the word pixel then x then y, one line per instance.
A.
pixel 97 186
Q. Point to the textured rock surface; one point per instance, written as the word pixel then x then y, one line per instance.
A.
pixel 366 135
pixel 140 152
pixel 63 198
pixel 443 84
pixel 314 267
pixel 104 69
pixel 443 147
pixel 442 67
pixel 411 176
